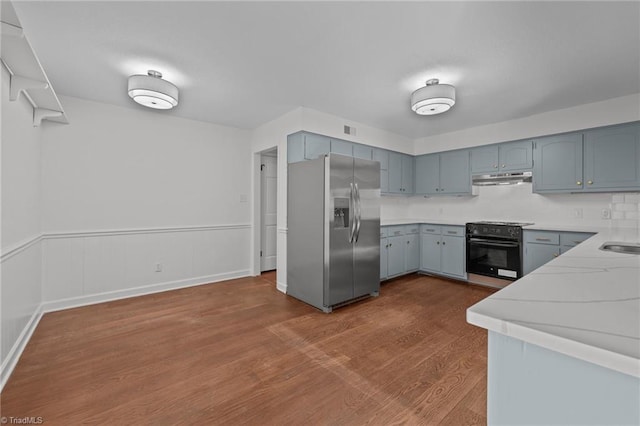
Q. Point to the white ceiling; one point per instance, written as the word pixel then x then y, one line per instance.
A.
pixel 242 64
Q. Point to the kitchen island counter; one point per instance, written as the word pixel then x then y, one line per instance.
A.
pixel 567 335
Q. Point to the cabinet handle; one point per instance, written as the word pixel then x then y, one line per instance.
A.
pixel 390 244
pixel 441 189
pixel 443 243
pixel 438 242
pixel 452 232
pixel 408 242
pixel 543 239
pixel 495 166
pixel 579 182
pixel 555 254
pixel 503 166
pixel 437 189
pixel 590 182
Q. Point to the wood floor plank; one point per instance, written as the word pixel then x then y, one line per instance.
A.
pixel 240 352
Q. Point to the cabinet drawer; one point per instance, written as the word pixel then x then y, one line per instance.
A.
pixel 384 232
pixel 453 231
pixel 431 229
pixel 571 239
pixel 542 237
pixel 394 231
pixel 412 229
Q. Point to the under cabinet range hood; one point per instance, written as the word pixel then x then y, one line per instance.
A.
pixel 501 178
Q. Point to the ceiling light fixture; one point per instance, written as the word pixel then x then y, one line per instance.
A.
pixel 434 98
pixel 152 91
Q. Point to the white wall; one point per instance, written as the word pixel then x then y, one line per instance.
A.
pixel 612 111
pixel 20 274
pixel 126 189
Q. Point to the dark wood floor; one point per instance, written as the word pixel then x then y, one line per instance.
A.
pixel 240 352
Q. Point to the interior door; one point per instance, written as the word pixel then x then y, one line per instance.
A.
pixel 366 254
pixel 269 177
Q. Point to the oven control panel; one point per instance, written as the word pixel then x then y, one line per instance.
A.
pixel 501 231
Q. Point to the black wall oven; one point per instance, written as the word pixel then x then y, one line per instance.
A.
pixel 494 249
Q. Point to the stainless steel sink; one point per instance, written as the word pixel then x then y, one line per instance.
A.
pixel 627 248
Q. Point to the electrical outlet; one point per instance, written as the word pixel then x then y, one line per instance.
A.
pixel 605 214
pixel 577 213
pixel 158 267
pixel 243 198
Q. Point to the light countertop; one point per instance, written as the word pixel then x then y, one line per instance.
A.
pixel 584 303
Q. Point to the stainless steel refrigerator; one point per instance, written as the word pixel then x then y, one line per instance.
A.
pixel 333 237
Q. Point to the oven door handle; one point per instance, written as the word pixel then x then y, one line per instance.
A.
pixel 493 243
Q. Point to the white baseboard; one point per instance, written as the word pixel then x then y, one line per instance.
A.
pixel 92 299
pixel 281 287
pixel 14 354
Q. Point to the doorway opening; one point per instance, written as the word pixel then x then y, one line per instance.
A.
pixel 268 209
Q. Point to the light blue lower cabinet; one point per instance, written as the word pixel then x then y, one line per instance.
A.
pixel 453 256
pixel 536 255
pixel 384 258
pixel 396 255
pixel 531 385
pixel 412 252
pixel 443 250
pixel 431 252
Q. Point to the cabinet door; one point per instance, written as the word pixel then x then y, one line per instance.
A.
pixel 396 255
pixel 453 256
pixel 536 255
pixel 484 159
pixel 516 156
pixel 407 174
pixel 382 156
pixel 364 152
pixel 430 253
pixel 612 158
pixel 342 147
pixel 395 173
pixel 315 146
pixel 558 163
pixel 427 171
pixel 384 256
pixel 384 181
pixel 412 252
pixel 295 148
pixel 454 172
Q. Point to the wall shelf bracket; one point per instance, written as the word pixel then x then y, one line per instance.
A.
pixel 40 114
pixel 22 84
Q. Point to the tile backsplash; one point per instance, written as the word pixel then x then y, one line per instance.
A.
pixel 625 210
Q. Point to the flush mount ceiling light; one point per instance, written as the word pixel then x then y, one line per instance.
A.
pixel 152 91
pixel 433 98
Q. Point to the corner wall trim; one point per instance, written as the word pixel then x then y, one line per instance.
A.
pixel 281 287
pixel 10 362
pixel 19 248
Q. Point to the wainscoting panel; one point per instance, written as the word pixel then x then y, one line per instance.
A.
pixel 85 268
pixel 21 296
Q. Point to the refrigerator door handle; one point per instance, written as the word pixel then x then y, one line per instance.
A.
pixel 352 219
pixel 358 214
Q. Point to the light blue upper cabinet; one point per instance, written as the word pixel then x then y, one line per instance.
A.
pixel 400 173
pixel 485 159
pixel 558 163
pixel 516 156
pixel 454 172
pixel 341 147
pixel 504 157
pixel 407 174
pixel 443 174
pixel 427 174
pixel 382 156
pixel 612 158
pixel 315 146
pixel 362 151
